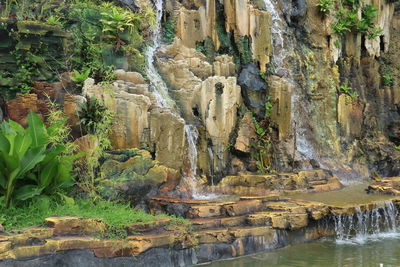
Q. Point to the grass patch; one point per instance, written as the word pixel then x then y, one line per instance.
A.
pixel 116 215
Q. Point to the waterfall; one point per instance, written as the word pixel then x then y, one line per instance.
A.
pixel 191 180
pixel 362 226
pixel 160 89
pixel 192 135
pixel 283 49
pixel 157 84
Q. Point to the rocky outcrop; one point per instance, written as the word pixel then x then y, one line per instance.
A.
pixel 205 97
pixel 19 108
pixel 139 122
pixel 253 184
pixel 389 185
pixel 167 133
pixel 199 21
pixel 132 174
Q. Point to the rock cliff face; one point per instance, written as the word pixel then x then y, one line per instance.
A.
pixel 323 100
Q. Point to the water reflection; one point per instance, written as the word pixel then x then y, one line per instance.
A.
pixel 383 250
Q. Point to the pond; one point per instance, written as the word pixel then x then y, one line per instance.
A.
pixel 382 250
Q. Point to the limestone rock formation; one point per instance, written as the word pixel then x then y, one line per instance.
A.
pixel 246 134
pixel 210 100
pixel 242 18
pixel 139 122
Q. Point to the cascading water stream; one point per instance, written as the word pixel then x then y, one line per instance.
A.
pixel 362 226
pixel 283 48
pixel 157 84
pixel 164 100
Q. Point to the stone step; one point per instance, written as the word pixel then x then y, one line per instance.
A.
pixel 279 219
pixel 212 223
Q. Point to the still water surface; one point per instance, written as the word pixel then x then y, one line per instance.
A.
pixel 382 250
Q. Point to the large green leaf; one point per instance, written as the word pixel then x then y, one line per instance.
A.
pixel 64 170
pixel 10 135
pixel 22 144
pixel 11 162
pixel 48 173
pixel 37 130
pixel 2 179
pixel 52 153
pixel 16 127
pixel 4 145
pixel 31 159
pixel 27 192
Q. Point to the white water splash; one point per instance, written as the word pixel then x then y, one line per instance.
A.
pixel 192 135
pixel 157 84
pixel 365 226
pixel 283 46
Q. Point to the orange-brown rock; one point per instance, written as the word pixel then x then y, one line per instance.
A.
pixel 144 227
pixel 71 105
pixel 75 226
pixel 30 234
pixel 242 207
pixel 19 108
pixel 204 223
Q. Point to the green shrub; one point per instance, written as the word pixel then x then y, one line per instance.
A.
pixel 387 79
pixel 347 19
pixel 93 114
pixel 28 165
pixel 325 6
pixel 348 91
pixel 79 77
pixel 169 31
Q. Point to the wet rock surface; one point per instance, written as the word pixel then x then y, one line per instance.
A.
pixel 390 185
pixel 254 89
pixel 258 184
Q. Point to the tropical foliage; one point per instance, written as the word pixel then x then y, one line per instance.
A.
pixel 29 164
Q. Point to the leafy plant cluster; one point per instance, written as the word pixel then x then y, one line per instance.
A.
pixel 348 91
pixel 348 19
pixel 262 146
pixel 96 120
pixel 325 6
pixel 103 36
pixel 169 28
pixel 387 79
pixel 37 10
pixel 32 161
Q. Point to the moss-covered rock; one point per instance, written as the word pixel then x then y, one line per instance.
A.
pixel 134 175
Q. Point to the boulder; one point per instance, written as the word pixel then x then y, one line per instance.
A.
pixel 134 77
pixel 133 174
pixel 19 108
pixel 167 137
pixel 254 88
